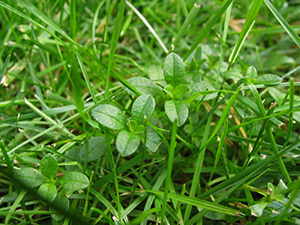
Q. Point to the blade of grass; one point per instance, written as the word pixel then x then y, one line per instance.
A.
pixel 260 136
pixel 250 19
pixel 203 33
pixel 199 203
pixel 169 170
pixel 261 108
pixel 220 146
pixel 291 104
pixel 294 36
pixel 149 26
pixel 114 172
pixel 198 168
pixel 4 68
pixel 86 77
pixel 114 43
pixel 158 183
pixel 14 207
pixel 193 13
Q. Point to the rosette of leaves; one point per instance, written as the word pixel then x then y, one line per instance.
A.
pixel 129 138
pixel 176 109
pixel 46 180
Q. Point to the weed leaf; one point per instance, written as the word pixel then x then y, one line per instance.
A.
pixel 74 181
pixel 177 110
pixel 109 116
pixel 203 86
pixel 269 80
pixel 127 143
pixel 61 202
pixel 173 69
pixel 30 177
pixel 96 148
pixel 48 191
pixel 49 166
pixel 142 108
pixel 145 86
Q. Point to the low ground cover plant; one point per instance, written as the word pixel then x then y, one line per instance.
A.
pixel 102 122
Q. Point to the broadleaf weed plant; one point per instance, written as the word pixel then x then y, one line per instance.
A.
pixel 164 112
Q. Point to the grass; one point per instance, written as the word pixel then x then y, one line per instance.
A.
pixel 101 123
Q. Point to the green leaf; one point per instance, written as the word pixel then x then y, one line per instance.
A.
pixel 258 209
pixel 177 110
pixel 232 74
pixel 96 148
pixel 48 191
pixel 74 181
pixel 142 108
pixel 153 141
pixel 135 128
pixel 202 87
pixel 109 116
pixel 127 143
pixel 61 202
pixel 251 72
pixel 74 155
pixel 181 91
pixel 269 80
pixel 169 90
pixel 145 86
pixel 30 177
pixel 49 166
pixel 174 69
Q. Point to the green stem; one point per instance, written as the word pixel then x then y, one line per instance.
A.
pixel 169 170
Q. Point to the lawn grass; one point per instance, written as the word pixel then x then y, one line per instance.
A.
pixel 149 112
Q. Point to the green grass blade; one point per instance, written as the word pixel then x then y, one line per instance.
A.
pixel 291 104
pixel 114 42
pixel 283 23
pixel 193 13
pixel 199 203
pixel 3 70
pixel 169 170
pixel 86 77
pixel 203 33
pixel 149 26
pixel 220 146
pixel 256 5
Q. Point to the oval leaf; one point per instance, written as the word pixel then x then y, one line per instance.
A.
pixel 127 143
pixel 109 116
pixel 49 166
pixel 251 72
pixel 143 107
pixel 173 69
pixel 30 177
pixel 232 74
pixel 177 110
pixel 181 91
pixel 74 155
pixel 96 148
pixel 269 80
pixel 145 86
pixel 61 202
pixel 47 191
pixel 74 181
pixel 153 141
pixel 203 86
